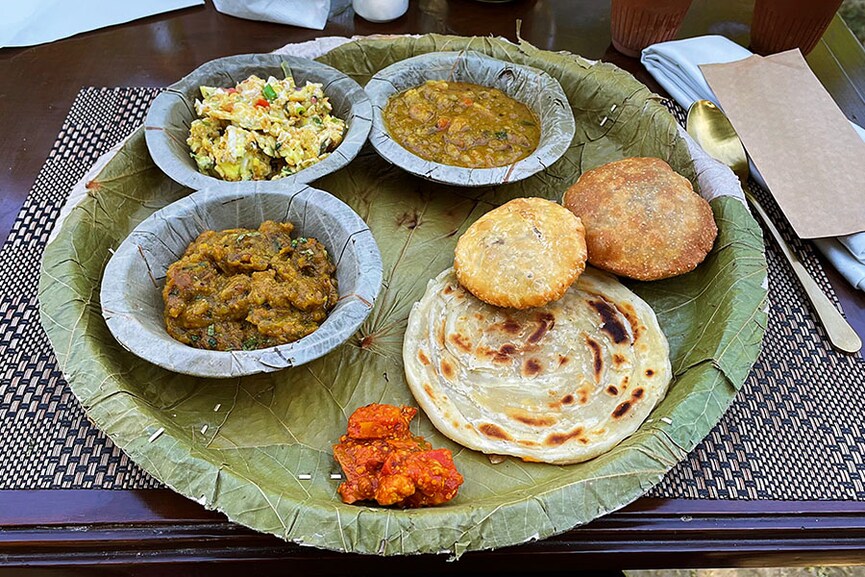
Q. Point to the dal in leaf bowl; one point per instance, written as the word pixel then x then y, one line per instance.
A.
pixel 265 458
pixel 536 89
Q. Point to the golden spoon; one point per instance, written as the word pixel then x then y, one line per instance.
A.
pixel 712 130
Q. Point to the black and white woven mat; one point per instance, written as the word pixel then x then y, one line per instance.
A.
pixel 795 432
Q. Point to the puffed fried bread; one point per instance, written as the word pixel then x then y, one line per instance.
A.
pixel 642 219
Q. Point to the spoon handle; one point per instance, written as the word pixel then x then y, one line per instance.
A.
pixel 841 334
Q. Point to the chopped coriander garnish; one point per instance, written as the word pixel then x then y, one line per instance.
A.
pixel 211 330
pixel 501 134
pixel 250 343
pixel 211 341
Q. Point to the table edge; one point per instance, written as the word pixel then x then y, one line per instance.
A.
pixel 81 527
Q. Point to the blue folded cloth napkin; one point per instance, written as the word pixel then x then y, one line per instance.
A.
pixel 676 67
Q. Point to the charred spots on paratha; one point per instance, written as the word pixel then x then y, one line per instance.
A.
pixel 531 367
pixel 448 370
pixel 618 360
pixel 421 356
pixel 532 420
pixel 637 393
pixel 503 354
pixel 556 439
pixel 511 326
pixel 545 323
pixel 461 341
pixel 621 409
pixel 429 391
pixel 627 311
pixel 650 373
pixel 610 321
pixel 493 431
pixel 597 357
pixel 613 391
pixel 440 333
pixel 568 399
pixel 584 393
pixel 563 360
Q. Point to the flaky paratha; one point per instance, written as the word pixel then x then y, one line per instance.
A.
pixel 560 383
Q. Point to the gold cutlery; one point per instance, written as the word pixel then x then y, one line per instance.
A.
pixel 712 130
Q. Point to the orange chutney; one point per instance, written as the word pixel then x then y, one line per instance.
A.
pixel 383 462
pixel 462 124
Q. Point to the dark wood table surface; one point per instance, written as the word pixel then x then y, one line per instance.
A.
pixel 156 532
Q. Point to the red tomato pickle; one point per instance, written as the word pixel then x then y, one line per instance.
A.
pixel 383 462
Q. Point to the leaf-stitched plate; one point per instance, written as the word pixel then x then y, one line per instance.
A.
pixel 170 115
pixel 131 294
pixel 258 448
pixel 534 88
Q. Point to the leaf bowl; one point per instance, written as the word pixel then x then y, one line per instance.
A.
pixel 536 89
pixel 172 112
pixel 131 290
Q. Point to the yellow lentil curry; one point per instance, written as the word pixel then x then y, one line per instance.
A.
pixel 462 124
pixel 249 289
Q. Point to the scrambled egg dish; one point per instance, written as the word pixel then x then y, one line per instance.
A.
pixel 262 129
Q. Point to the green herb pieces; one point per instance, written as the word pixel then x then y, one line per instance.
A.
pixel 269 92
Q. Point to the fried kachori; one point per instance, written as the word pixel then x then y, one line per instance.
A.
pixel 522 254
pixel 642 219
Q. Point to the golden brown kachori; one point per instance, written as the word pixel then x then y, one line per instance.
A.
pixel 642 219
pixel 522 254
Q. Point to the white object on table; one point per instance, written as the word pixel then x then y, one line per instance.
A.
pixel 380 10
pixel 304 13
pixel 40 21
pixel 676 67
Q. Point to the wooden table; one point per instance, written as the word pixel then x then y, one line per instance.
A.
pixel 124 528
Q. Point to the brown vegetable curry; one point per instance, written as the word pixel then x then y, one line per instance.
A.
pixel 462 124
pixel 249 289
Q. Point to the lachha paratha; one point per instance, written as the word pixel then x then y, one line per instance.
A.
pixel 560 383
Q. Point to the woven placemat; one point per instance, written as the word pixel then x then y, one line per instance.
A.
pixel 794 431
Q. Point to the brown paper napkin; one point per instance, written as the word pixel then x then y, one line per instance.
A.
pixel 810 157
